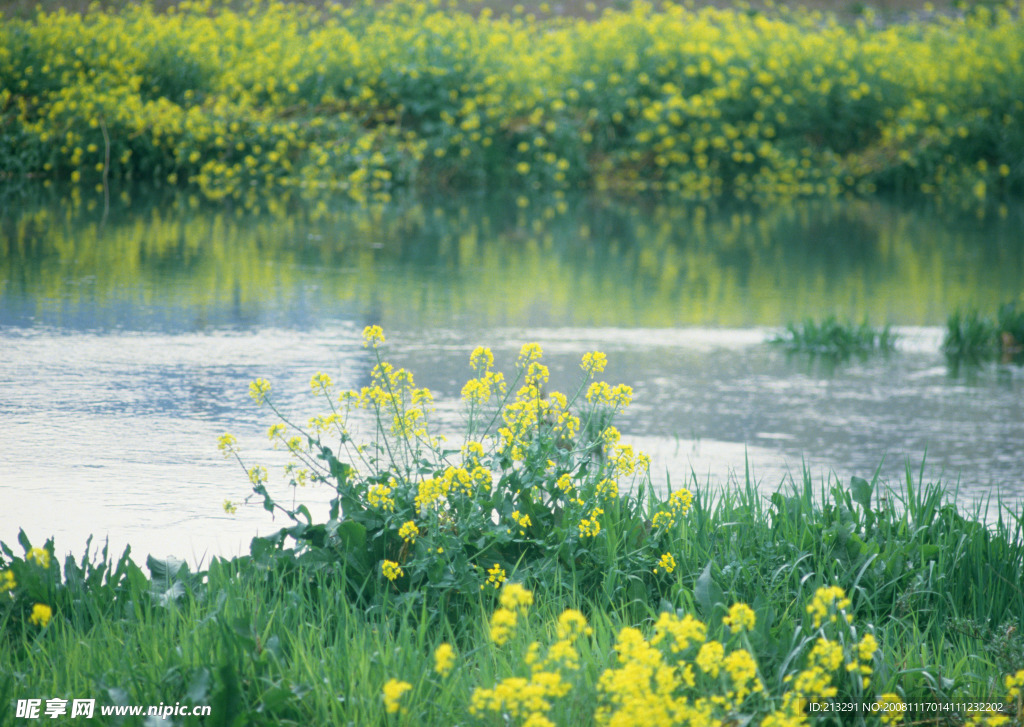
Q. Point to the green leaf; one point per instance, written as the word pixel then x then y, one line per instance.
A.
pixel 861 490
pixel 352 534
pixel 199 686
pixel 707 592
pixel 226 706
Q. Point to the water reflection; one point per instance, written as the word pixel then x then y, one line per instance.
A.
pixel 127 344
pixel 488 264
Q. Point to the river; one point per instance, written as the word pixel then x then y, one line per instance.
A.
pixel 128 338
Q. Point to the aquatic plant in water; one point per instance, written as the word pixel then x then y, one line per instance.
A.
pixel 832 337
pixel 971 335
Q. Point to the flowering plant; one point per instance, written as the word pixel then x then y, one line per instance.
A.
pixel 540 482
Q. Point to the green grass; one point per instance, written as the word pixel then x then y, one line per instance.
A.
pixel 835 338
pixel 264 640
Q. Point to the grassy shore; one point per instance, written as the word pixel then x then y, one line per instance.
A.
pixel 269 639
pixel 529 575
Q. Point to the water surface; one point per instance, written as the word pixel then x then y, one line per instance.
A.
pixel 127 342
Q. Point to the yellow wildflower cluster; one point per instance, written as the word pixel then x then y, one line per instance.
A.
pixel 678 676
pixel 594 362
pixel 521 520
pixel 1015 686
pixel 827 601
pixel 1013 713
pixel 379 497
pixel 270 102
pixel 495 576
pixel 391 570
pixel 259 390
pixel 619 396
pixel 514 599
pixel 666 563
pixel 392 694
pixel 444 659
pixel 679 504
pixel 528 700
pixel 408 532
pixel 532 471
pixel 741 617
pixel 41 615
pixel 40 556
pixel 591 526
pixel 7 581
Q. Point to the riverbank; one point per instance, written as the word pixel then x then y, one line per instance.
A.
pixel 273 103
pixel 272 638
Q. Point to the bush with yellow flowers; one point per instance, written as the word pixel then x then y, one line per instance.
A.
pixel 540 485
pixel 294 102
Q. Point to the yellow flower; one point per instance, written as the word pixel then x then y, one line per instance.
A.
pixel 825 599
pixel 523 521
pixel 408 531
pixel 7 582
pixel 572 624
pixel 444 659
pixel 867 647
pixel 503 624
pixel 514 596
pixel 594 362
pixel 662 520
pixel 230 507
pixel 528 353
pixel 393 691
pixel 742 669
pixel 40 556
pixel 495 576
pixel 320 381
pixel 258 390
pixel 680 501
pixel 891 708
pixel 391 570
pixel 684 631
pixel 379 496
pixel 741 617
pixel 481 359
pixel 589 527
pixel 1013 682
pixel 373 336
pixel 621 395
pixel 710 657
pixel 826 654
pixel 666 563
pixel 226 444
pixel 41 614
